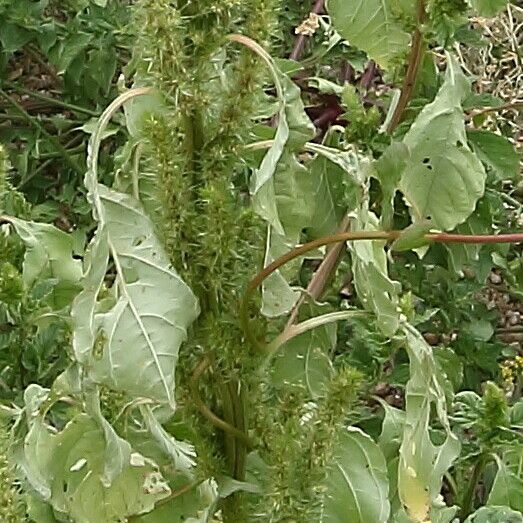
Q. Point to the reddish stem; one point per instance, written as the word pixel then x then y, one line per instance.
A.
pixel 299 44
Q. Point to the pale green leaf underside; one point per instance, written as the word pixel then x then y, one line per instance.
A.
pixel 495 514
pixel 371 26
pixel 443 179
pixel 303 361
pixel 376 291
pixel 132 346
pixel 357 485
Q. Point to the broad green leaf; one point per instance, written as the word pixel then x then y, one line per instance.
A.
pixel 39 511
pixel 131 346
pixel 495 514
pixel 376 291
pixel 488 7
pixel 507 488
pixel 443 179
pixel 391 430
pixel 138 109
pixel 49 255
pixel 304 362
pixel 497 152
pixel 67 50
pixel 13 37
pixel 117 450
pixel 389 442
pixel 334 176
pixel 422 463
pixel 180 453
pixel 356 489
pixel 372 26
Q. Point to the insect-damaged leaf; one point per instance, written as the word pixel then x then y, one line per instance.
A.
pixel 73 468
pixel 443 178
pixel 422 463
pixel 357 486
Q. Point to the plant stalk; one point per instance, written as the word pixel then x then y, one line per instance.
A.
pixel 442 237
pixel 409 82
pixel 467 506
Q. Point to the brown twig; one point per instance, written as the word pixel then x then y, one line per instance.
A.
pixel 323 275
pixel 299 43
pixel 204 364
pixel 409 82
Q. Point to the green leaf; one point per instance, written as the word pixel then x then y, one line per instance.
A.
pixel 13 37
pixel 304 362
pixel 507 488
pixel 73 467
pixel 376 291
pixel 371 26
pixel 488 7
pixel 413 236
pixel 388 170
pixel 278 297
pixel 195 506
pixel 132 346
pixel 422 463
pixel 67 50
pixel 49 255
pixel 391 430
pixel 443 179
pixel 356 484
pixel 496 152
pixel 294 129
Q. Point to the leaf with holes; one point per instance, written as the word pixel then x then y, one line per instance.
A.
pixel 422 463
pixel 443 178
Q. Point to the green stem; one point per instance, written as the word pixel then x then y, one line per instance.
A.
pixel 35 123
pixel 50 100
pixel 467 506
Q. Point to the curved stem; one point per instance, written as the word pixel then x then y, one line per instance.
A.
pixel 467 506
pixel 291 255
pixel 295 330
pixel 204 364
pixel 442 237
